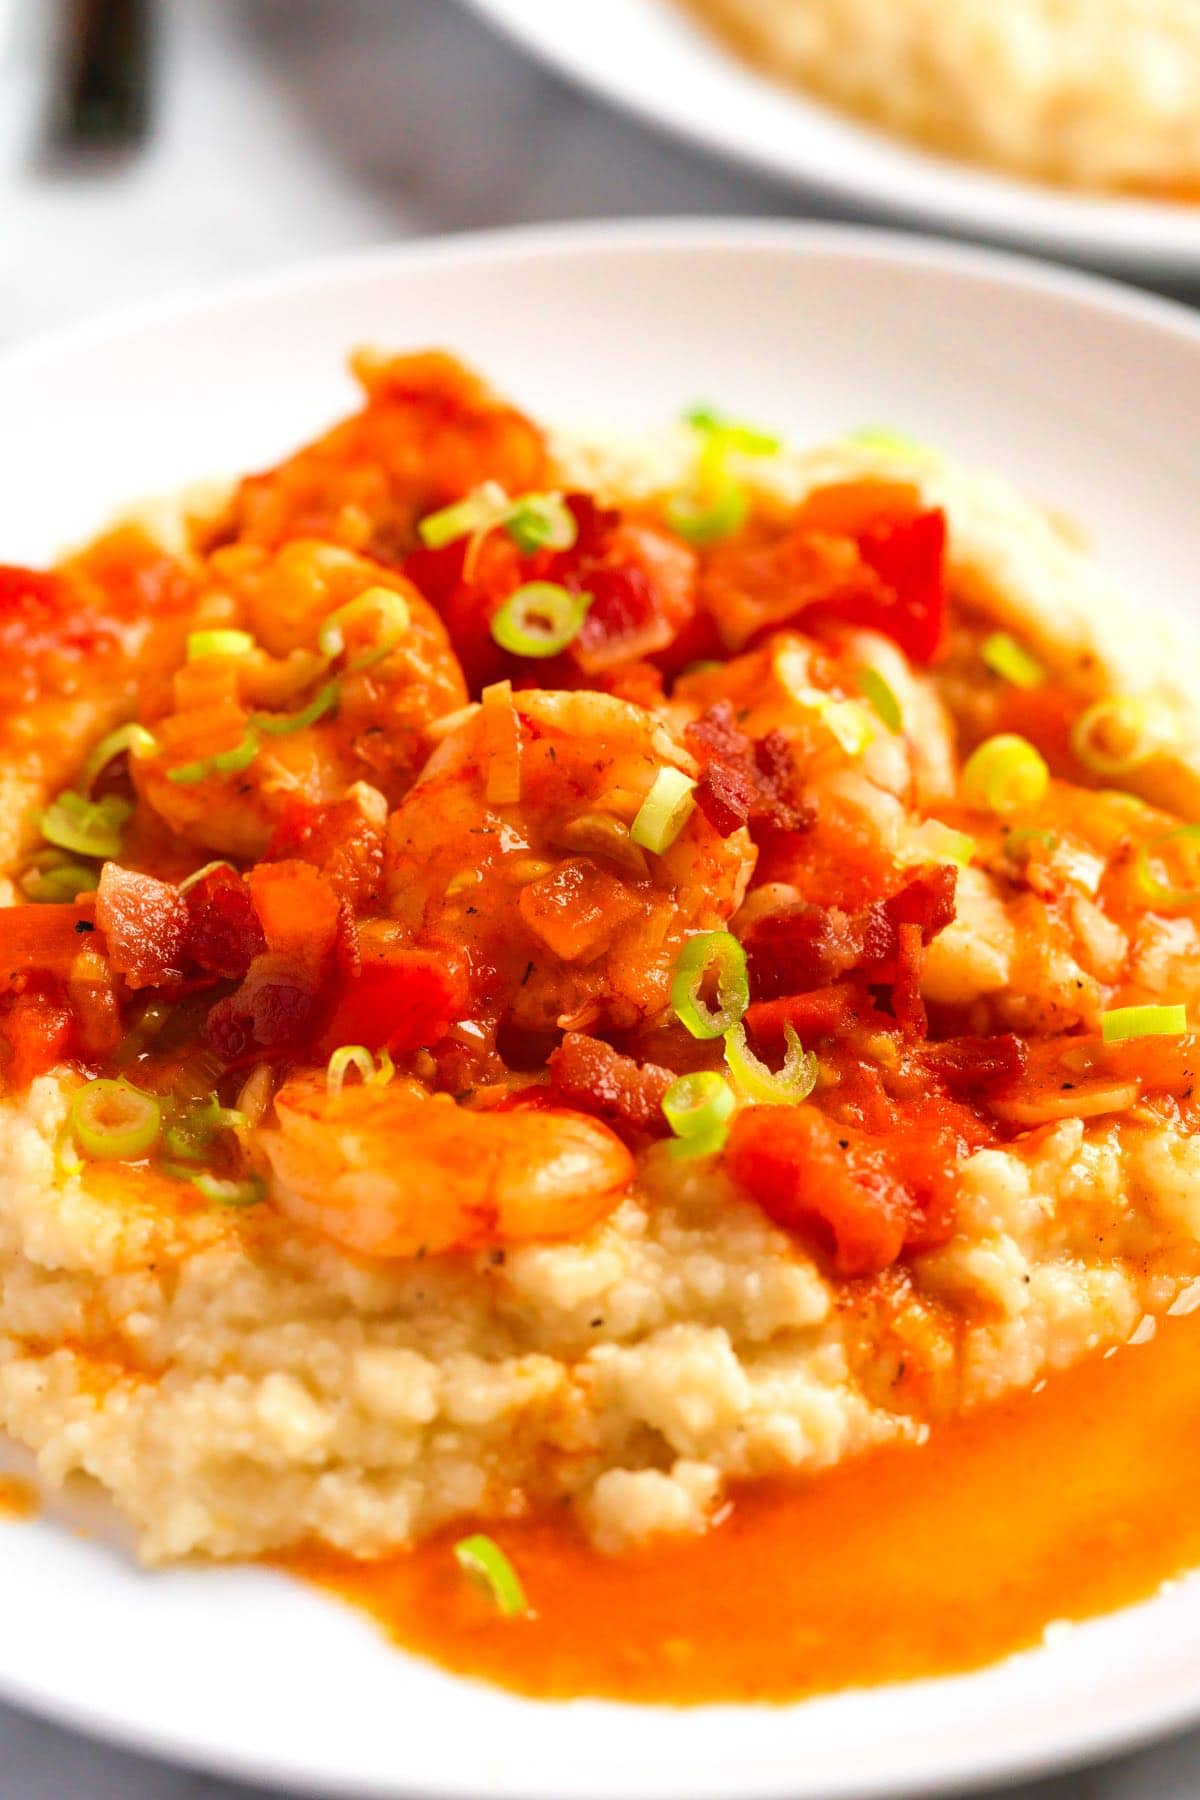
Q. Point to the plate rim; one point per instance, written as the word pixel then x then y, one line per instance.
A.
pixel 1099 295
pixel 1075 225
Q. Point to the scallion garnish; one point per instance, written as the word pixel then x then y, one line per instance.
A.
pixel 787 1086
pixel 132 738
pixel 381 603
pixel 931 841
pixel 249 1190
pixel 1114 736
pixel 881 437
pixel 86 827
pixel 190 1134
pixel 484 1561
pixel 113 1121
pixel 1005 657
pixel 541 522
pixel 539 619
pixel 712 956
pixel 881 698
pixel 283 724
pixel 52 877
pixel 1005 774
pixel 733 434
pixel 485 507
pixel 665 811
pixel 707 513
pixel 1162 893
pixel 225 642
pixel 1124 1022
pixel 697 1108
pixel 357 1056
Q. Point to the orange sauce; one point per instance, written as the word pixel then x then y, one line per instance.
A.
pixel 1060 1504
pixel 19 1498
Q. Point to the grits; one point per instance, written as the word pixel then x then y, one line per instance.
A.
pixel 250 1378
pixel 1086 93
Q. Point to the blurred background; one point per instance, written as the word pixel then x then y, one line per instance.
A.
pixel 282 130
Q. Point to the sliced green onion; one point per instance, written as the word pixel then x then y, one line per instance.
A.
pixel 484 1561
pixel 665 811
pixel 222 1192
pixel 880 437
pixel 707 514
pixel 931 841
pixel 1117 735
pixel 541 522
pixel 1161 893
pixel 733 434
pixel 190 1135
pixel 357 1056
pixel 189 881
pixel 787 1086
pixel 882 698
pixel 218 643
pixel 282 724
pixel 132 738
pixel 86 827
pixel 1026 840
pixel 225 762
pixel 697 1108
pixel 383 603
pixel 482 509
pixel 62 881
pixel 1123 1022
pixel 539 619
pixel 1005 657
pixel 1005 774
pixel 114 1122
pixel 719 956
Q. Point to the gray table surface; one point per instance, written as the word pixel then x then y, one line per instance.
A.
pixel 286 129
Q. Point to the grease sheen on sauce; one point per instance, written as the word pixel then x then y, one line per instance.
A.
pixel 1060 1504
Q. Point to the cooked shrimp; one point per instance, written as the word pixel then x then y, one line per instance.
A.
pixel 516 845
pixel 430 431
pixel 396 1172
pixel 395 675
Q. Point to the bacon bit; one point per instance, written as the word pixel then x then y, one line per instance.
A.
pixel 743 781
pixel 821 1013
pixel 36 1034
pixel 871 1198
pixel 224 934
pixel 972 1065
pixel 272 1010
pixel 44 939
pixel 297 909
pixel 908 1008
pixel 404 1001
pixel 145 923
pixel 340 841
pixel 577 909
pixel 588 1074
pixel 805 946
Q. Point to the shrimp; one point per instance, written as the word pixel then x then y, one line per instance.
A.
pixel 397 1172
pixel 430 430
pixel 380 702
pixel 516 846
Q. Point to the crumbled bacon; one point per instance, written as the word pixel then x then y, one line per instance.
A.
pixel 744 781
pixel 590 1075
pixel 223 931
pixel 273 1009
pixel 145 924
pixel 803 946
pixel 819 1013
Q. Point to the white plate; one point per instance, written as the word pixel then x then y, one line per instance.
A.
pixel 1089 396
pixel 648 56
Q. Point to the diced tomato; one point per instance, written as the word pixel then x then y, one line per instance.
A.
pixel 908 603
pixel 45 939
pixel 818 1014
pixel 399 1002
pixel 297 909
pixel 145 924
pixel 805 1173
pixel 36 1032
pixel 867 1199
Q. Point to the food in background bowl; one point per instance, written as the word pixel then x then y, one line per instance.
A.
pixel 1085 93
pixel 568 980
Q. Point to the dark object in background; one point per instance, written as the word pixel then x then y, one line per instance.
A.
pixel 105 59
